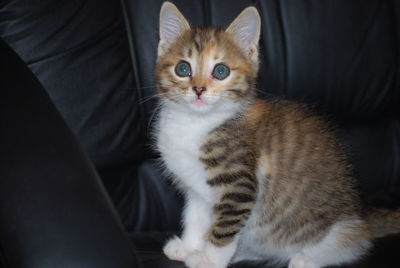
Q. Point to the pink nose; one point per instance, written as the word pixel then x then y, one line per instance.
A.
pixel 199 90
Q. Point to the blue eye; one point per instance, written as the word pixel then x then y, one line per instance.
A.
pixel 183 69
pixel 221 71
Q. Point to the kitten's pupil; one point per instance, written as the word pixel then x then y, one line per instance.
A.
pixel 183 69
pixel 221 71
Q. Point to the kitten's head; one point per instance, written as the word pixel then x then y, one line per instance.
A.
pixel 207 69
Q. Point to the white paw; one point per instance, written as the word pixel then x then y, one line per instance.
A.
pixel 199 260
pixel 175 250
pixel 300 261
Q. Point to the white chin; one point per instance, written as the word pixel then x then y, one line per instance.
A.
pixel 200 107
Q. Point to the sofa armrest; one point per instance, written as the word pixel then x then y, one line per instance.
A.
pixel 54 211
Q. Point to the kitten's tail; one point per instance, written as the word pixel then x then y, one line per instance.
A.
pixel 383 222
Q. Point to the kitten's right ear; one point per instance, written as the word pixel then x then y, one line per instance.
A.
pixel 172 24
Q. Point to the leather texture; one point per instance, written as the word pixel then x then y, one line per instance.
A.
pixel 95 59
pixel 54 210
pixel 80 53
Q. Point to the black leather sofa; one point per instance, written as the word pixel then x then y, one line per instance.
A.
pixel 79 185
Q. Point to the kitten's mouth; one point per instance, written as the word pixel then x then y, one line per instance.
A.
pixel 199 102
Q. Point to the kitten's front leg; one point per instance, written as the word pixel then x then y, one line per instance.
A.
pixel 230 216
pixel 196 221
pixel 212 256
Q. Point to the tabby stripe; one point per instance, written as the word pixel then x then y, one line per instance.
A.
pixel 209 146
pixel 236 212
pixel 166 65
pixel 247 185
pixel 223 206
pixel 197 45
pixel 244 158
pixel 228 223
pixel 239 197
pixel 237 92
pixel 224 235
pixel 224 178
pixel 213 161
pixel 228 178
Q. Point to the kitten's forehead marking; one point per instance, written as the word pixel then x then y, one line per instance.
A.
pixel 201 37
pixel 206 61
pixel 197 43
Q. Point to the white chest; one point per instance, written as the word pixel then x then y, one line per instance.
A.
pixel 180 136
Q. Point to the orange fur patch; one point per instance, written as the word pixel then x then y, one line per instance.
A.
pixel 256 112
pixel 353 234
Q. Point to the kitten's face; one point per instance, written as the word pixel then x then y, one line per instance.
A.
pixel 203 69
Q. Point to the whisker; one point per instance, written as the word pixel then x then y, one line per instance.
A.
pixel 150 86
pixel 145 87
pixel 148 98
pixel 156 110
pixel 257 90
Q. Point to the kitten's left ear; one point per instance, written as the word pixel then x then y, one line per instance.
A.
pixel 246 31
pixel 172 24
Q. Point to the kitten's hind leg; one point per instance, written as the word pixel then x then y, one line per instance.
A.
pixel 301 261
pixel 347 241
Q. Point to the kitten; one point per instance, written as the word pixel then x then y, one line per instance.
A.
pixel 262 179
